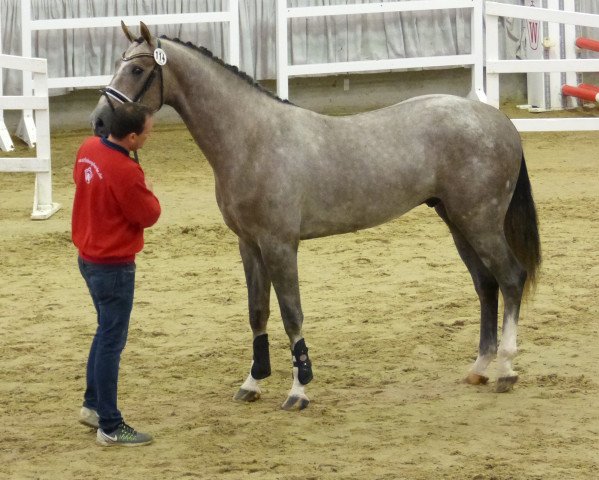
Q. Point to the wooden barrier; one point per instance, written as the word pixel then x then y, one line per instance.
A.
pixel 43 207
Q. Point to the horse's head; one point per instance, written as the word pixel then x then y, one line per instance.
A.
pixel 138 78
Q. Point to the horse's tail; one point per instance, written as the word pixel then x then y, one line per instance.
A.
pixel 521 228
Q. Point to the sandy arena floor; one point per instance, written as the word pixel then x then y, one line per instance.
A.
pixel 391 322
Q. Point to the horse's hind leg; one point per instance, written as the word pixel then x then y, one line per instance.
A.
pixel 258 286
pixel 487 290
pixel 485 235
pixel 511 278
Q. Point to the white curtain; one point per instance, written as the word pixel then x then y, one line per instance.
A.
pixel 312 40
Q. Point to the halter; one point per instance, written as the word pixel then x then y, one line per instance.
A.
pixel 110 92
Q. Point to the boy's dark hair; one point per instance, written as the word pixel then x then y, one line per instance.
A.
pixel 129 118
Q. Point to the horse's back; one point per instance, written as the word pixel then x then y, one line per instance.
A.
pixel 377 165
pixel 441 113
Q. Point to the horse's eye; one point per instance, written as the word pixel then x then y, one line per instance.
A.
pixel 137 71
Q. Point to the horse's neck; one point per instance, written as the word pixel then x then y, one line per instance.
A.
pixel 217 106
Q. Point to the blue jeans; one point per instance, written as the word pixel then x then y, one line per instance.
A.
pixel 111 288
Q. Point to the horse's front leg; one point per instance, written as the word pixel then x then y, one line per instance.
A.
pixel 281 261
pixel 258 285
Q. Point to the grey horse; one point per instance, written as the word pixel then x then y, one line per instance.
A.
pixel 285 174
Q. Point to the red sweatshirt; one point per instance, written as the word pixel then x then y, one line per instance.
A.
pixel 112 204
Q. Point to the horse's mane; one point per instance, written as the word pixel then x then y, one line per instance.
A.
pixel 232 68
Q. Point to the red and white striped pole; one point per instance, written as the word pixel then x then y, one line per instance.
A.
pixel 588 86
pixel 583 91
pixel 587 44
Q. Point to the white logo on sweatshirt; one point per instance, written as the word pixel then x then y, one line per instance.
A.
pixel 89 171
pixel 89 174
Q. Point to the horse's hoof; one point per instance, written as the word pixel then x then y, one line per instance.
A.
pixel 295 402
pixel 244 395
pixel 476 379
pixel 505 384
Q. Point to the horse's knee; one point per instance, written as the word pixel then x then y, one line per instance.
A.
pixel 293 320
pixel 259 318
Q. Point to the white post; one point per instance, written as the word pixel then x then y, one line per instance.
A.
pixel 282 50
pixel 569 47
pixel 234 32
pixel 492 48
pixel 478 51
pixel 535 82
pixel 26 129
pixel 552 44
pixel 43 207
pixel 5 140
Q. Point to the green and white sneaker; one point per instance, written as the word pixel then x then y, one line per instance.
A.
pixel 89 417
pixel 123 436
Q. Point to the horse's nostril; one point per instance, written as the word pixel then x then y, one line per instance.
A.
pixel 98 127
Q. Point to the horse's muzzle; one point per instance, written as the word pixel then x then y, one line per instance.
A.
pixel 99 128
pixel 100 120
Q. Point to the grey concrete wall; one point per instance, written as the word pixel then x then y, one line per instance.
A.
pixel 342 94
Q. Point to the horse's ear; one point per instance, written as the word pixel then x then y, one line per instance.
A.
pixel 127 33
pixel 145 33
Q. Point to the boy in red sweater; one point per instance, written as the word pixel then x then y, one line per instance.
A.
pixel 113 205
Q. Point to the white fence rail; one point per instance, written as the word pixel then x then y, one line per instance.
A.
pixel 474 59
pixel 495 67
pixel 43 207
